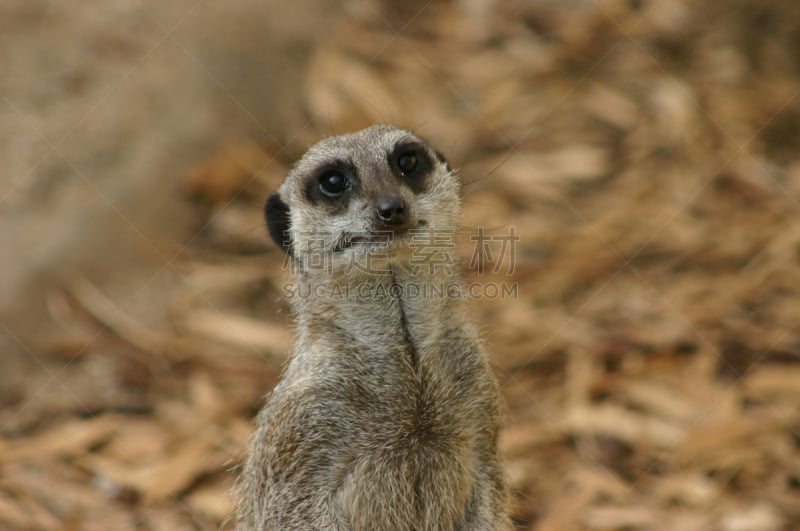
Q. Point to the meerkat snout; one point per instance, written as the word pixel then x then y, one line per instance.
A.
pixel 391 211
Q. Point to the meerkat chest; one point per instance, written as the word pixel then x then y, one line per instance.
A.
pixel 429 406
pixel 417 460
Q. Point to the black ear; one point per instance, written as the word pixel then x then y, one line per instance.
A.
pixel 276 212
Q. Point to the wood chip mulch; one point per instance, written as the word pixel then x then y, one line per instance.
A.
pixel 646 153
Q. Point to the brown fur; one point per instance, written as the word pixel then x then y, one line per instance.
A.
pixel 387 414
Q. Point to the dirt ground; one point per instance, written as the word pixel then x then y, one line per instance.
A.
pixel 646 153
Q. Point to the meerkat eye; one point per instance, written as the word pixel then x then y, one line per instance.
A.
pixel 333 183
pixel 407 162
pixel 410 161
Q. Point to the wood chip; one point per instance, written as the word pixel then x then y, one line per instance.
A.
pixel 68 439
pixel 613 421
pixel 252 336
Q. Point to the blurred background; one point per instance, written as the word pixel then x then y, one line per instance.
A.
pixel 646 152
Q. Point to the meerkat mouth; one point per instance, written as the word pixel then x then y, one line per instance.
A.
pixel 347 241
pixel 377 239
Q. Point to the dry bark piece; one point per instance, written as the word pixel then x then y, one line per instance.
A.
pixel 68 439
pixel 250 335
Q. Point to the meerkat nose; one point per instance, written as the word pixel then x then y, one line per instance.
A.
pixel 391 211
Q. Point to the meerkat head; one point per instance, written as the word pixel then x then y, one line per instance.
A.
pixel 363 192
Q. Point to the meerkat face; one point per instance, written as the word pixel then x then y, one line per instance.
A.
pixel 363 192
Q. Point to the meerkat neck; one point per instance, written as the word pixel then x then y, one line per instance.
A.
pixel 398 307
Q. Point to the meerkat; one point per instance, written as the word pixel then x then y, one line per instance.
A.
pixel 387 414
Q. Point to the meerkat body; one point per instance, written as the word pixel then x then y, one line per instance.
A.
pixel 387 414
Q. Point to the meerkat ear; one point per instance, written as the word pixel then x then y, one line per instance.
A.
pixel 276 212
pixel 441 159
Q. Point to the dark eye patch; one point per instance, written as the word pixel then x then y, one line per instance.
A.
pixel 412 164
pixel 332 184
